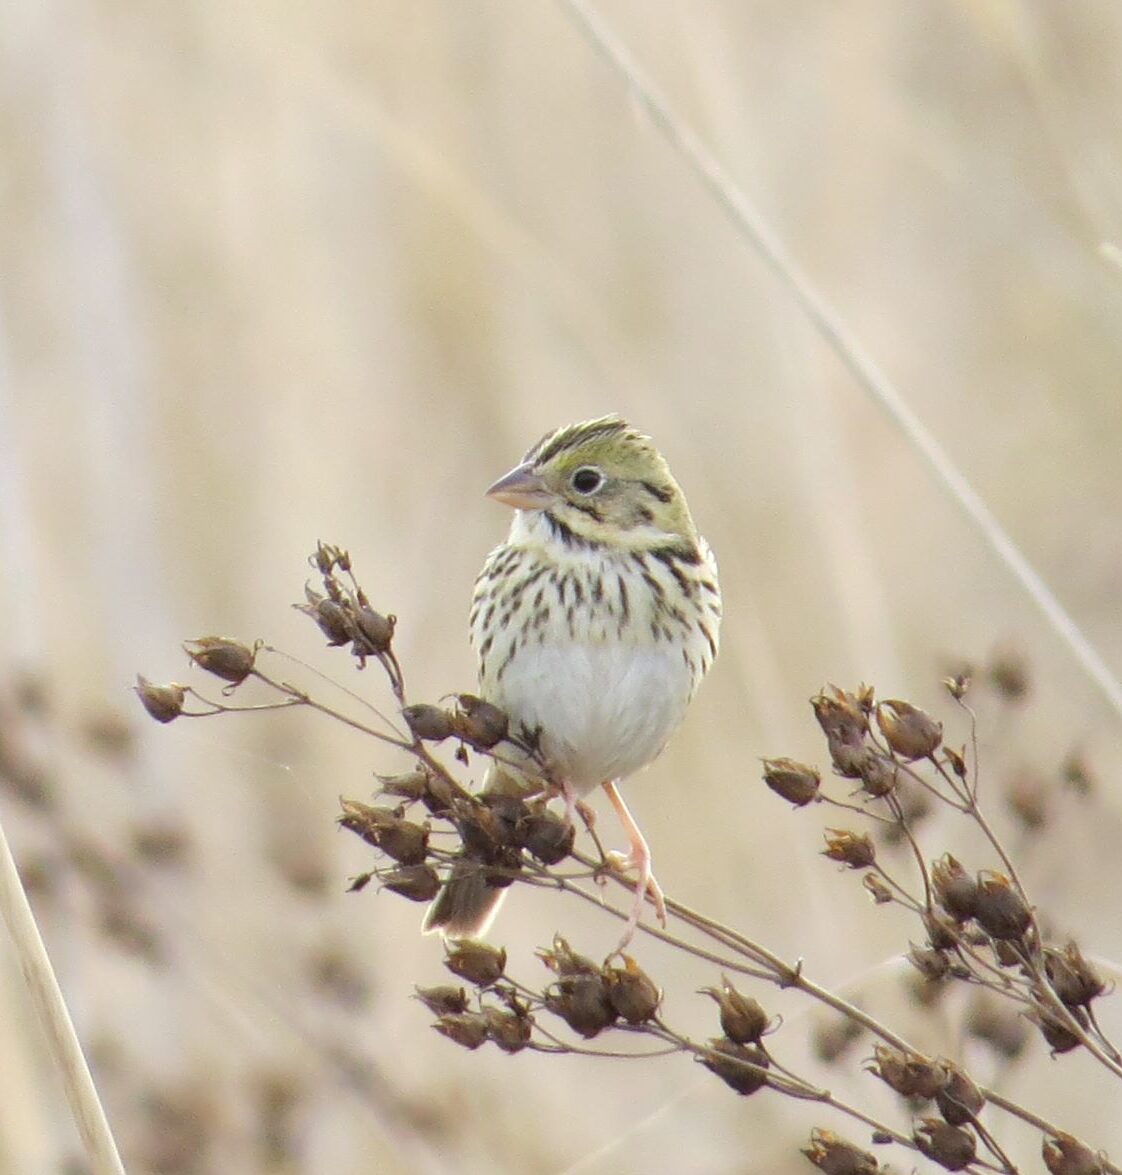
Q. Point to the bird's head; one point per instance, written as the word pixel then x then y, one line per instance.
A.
pixel 603 483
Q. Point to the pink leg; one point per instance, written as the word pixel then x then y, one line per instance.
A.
pixel 638 857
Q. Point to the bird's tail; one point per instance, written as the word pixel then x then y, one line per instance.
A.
pixel 466 905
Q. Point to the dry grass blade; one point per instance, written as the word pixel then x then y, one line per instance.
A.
pixel 51 1007
pixel 828 322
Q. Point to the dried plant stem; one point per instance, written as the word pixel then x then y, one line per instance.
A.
pixel 754 227
pixel 101 1149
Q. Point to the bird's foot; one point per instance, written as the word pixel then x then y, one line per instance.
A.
pixel 646 886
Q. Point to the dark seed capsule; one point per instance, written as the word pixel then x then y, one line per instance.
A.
pixel 1000 909
pixel 225 658
pixel 835 1156
pixel 856 850
pixel 373 631
pixel 633 994
pixel 428 722
pixel 950 1146
pixel 477 962
pixel 955 890
pixel 418 883
pixel 546 837
pixel 909 1074
pixel 743 1020
pixel 163 702
pixel 583 1002
pixel 444 999
pixel 1065 1155
pixel 468 1029
pixel 741 1067
pixel 793 781
pixel 960 1100
pixel 479 722
pixel 909 732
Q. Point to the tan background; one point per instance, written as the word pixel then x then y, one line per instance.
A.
pixel 278 272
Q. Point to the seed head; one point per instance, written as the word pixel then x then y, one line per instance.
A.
pixel 373 632
pixel 909 732
pixel 634 995
pixel 950 1146
pixel 411 785
pixel 404 841
pixel 443 1000
pixel 835 1156
pixel 878 774
pixel 418 883
pixel 909 1074
pixel 478 962
pixel 479 722
pixel 955 890
pixel 1065 1155
pixel 854 850
pixel 878 891
pixel 468 1029
pixel 563 960
pixel 1060 1037
pixel 960 1100
pixel 163 702
pixel 225 658
pixel 793 781
pixel 545 836
pixel 1000 909
pixel 510 1030
pixel 742 1067
pixel 430 723
pixel 743 1020
pixel 1072 977
pixel 931 964
pixel 331 617
pixel 840 715
pixel 583 1002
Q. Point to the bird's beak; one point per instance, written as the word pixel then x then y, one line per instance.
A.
pixel 521 488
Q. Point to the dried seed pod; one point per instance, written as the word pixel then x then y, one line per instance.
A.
pixel 373 632
pixel 404 841
pixel 960 1100
pixel 793 781
pixel 411 785
pixel 835 1156
pixel 563 960
pixel 879 892
pixel 931 964
pixel 163 702
pixel 840 715
pixel 479 722
pixel 742 1067
pixel 909 732
pixel 878 774
pixel 1060 1037
pixel 547 837
pixel 957 686
pixel 418 883
pixel 743 1020
pixel 225 658
pixel 1000 910
pixel 478 962
pixel 444 999
pixel 427 722
pixel 1065 1155
pixel 468 1029
pixel 956 760
pixel 330 616
pixel 1072 977
pixel 633 994
pixel 855 850
pixel 942 933
pixel 955 890
pixel 909 1074
pixel 583 1002
pixel 509 1030
pixel 848 758
pixel 950 1146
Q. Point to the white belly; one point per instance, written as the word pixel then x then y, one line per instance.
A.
pixel 604 710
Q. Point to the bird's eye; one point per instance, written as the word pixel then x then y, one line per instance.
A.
pixel 587 480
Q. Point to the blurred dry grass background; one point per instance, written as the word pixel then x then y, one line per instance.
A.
pixel 275 272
